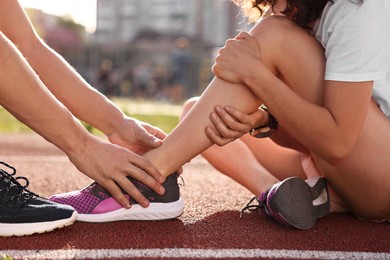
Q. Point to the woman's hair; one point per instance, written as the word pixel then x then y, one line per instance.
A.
pixel 300 11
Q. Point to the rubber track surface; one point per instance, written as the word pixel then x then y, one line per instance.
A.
pixel 210 220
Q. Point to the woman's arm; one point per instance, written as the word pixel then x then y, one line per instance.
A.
pixel 331 130
pixel 328 127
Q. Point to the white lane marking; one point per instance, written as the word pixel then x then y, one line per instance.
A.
pixel 188 253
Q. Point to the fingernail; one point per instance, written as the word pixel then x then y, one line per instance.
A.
pixel 213 116
pixel 218 109
pixel 227 108
pixel 161 190
pixel 208 131
pixel 161 179
pixel 145 203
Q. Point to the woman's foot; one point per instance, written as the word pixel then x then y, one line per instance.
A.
pixel 295 202
pixel 95 204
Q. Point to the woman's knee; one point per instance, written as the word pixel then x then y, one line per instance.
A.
pixel 293 55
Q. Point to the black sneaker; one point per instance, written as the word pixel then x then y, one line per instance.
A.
pixel 95 204
pixel 23 212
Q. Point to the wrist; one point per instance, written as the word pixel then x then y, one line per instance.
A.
pixel 80 154
pixel 267 129
pixel 253 75
pixel 114 122
pixel 121 127
pixel 75 143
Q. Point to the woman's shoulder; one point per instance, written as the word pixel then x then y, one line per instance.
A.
pixel 275 21
pixel 276 27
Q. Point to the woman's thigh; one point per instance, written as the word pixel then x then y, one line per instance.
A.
pixel 281 162
pixel 362 179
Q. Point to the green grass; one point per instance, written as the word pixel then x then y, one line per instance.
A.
pixel 5 257
pixel 162 115
pixel 9 124
pixel 165 122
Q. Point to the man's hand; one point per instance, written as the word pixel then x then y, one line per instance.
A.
pixel 136 136
pixel 110 165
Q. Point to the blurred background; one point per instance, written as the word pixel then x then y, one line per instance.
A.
pixel 160 50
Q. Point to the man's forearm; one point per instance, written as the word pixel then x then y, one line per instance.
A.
pixel 71 89
pixel 24 95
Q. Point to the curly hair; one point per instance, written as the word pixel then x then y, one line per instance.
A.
pixel 300 11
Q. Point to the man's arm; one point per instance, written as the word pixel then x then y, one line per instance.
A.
pixel 58 76
pixel 28 99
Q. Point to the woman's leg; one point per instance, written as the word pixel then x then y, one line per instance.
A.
pixel 188 138
pixel 237 161
pixel 282 162
pixel 362 179
pixel 252 162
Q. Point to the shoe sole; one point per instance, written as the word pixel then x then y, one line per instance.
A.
pixel 155 211
pixel 294 199
pixel 26 229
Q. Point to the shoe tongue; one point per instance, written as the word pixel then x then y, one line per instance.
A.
pixel 9 189
pixel 4 182
pixel 99 191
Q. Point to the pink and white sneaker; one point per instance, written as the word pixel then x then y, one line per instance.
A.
pixel 95 204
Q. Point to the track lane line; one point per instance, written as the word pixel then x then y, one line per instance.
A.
pixel 189 253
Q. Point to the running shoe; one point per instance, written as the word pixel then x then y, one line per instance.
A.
pixel 294 202
pixel 23 212
pixel 95 204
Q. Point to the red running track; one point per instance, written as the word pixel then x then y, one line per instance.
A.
pixel 209 228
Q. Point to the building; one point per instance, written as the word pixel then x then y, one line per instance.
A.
pixel 208 21
pixel 145 36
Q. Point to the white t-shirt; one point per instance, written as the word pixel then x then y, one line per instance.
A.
pixel 356 38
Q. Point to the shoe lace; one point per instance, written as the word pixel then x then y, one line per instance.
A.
pixel 250 206
pixel 260 204
pixel 181 182
pixel 12 190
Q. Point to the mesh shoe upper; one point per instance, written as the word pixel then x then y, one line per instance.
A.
pixel 94 199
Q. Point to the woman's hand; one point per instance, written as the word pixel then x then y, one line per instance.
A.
pixel 234 60
pixel 230 124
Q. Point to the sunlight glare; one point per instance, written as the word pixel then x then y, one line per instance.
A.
pixel 82 11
